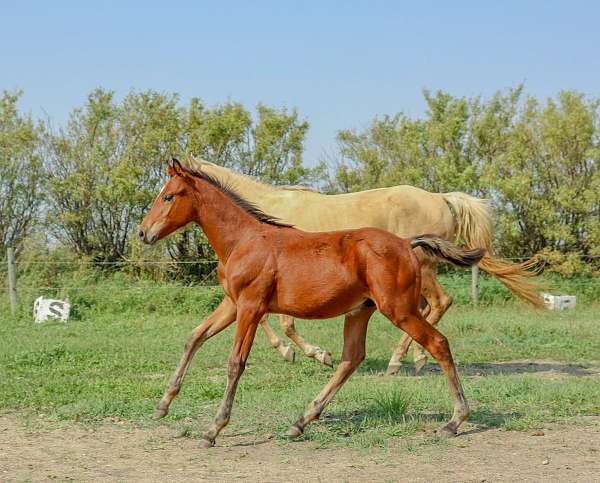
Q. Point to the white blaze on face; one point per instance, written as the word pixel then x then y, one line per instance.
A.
pixel 161 191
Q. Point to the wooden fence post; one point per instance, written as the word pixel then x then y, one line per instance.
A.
pixel 475 284
pixel 12 278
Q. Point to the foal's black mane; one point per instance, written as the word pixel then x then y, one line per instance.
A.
pixel 243 203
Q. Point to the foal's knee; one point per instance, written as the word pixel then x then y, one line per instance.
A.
pixel 195 337
pixel 235 368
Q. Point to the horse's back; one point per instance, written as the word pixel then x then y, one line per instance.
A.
pixel 404 210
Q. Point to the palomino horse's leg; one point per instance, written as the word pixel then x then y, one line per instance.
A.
pixel 437 345
pixel 355 331
pixel 222 317
pixel 438 303
pixel 285 350
pixel 324 357
pixel 248 321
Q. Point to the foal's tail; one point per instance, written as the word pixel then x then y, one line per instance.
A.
pixel 474 227
pixel 438 247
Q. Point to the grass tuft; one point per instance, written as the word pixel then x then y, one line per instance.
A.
pixel 390 405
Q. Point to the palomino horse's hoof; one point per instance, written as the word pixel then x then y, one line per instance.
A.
pixel 393 369
pixel 160 413
pixel 420 364
pixel 288 353
pixel 324 357
pixel 207 443
pixel 293 432
pixel 446 432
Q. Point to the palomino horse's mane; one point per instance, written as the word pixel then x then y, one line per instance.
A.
pixel 243 203
pixel 195 164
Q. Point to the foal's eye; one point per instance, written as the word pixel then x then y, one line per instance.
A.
pixel 168 197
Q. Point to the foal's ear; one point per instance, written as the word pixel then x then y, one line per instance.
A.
pixel 175 168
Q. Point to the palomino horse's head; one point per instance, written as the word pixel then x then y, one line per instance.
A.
pixel 172 208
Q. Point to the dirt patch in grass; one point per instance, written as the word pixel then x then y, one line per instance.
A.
pixel 39 451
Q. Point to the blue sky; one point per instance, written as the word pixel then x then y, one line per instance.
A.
pixel 339 63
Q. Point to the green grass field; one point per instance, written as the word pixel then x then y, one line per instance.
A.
pixel 113 359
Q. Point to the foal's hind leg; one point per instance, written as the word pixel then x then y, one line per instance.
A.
pixel 438 303
pixel 323 356
pixel 401 350
pixel 437 345
pixel 285 350
pixel 222 317
pixel 355 331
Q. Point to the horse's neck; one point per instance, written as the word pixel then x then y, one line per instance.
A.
pixel 244 185
pixel 222 220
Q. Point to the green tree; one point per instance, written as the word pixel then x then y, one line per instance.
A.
pixel 435 153
pixel 546 180
pixel 269 148
pixel 21 176
pixel 106 166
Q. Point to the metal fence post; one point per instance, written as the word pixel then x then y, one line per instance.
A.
pixel 12 278
pixel 475 284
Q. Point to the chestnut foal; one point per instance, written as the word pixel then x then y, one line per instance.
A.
pixel 268 267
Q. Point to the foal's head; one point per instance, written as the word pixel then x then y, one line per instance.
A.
pixel 172 208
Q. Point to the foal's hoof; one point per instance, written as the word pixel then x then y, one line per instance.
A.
pixel 420 364
pixel 288 353
pixel 294 432
pixel 160 413
pixel 207 443
pixel 393 369
pixel 446 432
pixel 324 357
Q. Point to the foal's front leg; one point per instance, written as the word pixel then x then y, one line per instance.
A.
pixel 247 324
pixel 222 317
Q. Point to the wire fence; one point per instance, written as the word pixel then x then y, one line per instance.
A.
pixel 27 270
pixel 121 263
pixel 196 262
pixel 121 289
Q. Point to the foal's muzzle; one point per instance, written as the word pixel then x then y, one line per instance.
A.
pixel 146 237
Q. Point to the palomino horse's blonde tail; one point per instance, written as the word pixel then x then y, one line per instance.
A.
pixel 474 227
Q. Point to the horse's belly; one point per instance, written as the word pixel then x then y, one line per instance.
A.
pixel 318 300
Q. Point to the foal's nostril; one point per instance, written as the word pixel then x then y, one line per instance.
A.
pixel 141 234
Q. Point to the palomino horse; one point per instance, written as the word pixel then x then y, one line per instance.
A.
pixel 266 266
pixel 403 210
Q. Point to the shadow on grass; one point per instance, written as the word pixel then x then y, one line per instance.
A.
pixel 486 420
pixel 390 420
pixel 378 366
pixel 371 416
